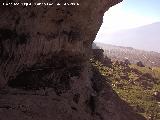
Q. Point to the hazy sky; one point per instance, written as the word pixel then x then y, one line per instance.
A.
pixel 130 14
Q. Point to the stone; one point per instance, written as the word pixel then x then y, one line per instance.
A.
pixel 140 64
pixel 98 54
pixel 107 62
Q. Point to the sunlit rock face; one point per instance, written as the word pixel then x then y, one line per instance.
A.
pixel 44 73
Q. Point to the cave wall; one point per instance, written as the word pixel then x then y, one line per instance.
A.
pixel 32 34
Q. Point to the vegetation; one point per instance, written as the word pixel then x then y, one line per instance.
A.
pixel 136 85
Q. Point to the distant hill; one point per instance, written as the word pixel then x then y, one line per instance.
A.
pixel 133 55
pixel 146 37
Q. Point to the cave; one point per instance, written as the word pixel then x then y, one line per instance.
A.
pixel 37 41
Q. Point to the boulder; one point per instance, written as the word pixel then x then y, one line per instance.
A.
pixel 140 64
pixel 98 54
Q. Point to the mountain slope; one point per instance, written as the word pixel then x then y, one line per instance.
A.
pixel 133 55
pixel 135 85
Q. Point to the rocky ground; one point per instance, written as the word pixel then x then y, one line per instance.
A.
pixel 79 103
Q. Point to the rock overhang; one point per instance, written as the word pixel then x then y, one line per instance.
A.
pixel 32 34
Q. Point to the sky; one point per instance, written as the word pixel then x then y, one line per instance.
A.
pixel 129 14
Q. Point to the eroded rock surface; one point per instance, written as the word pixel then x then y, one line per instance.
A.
pixel 32 34
pixel 44 73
